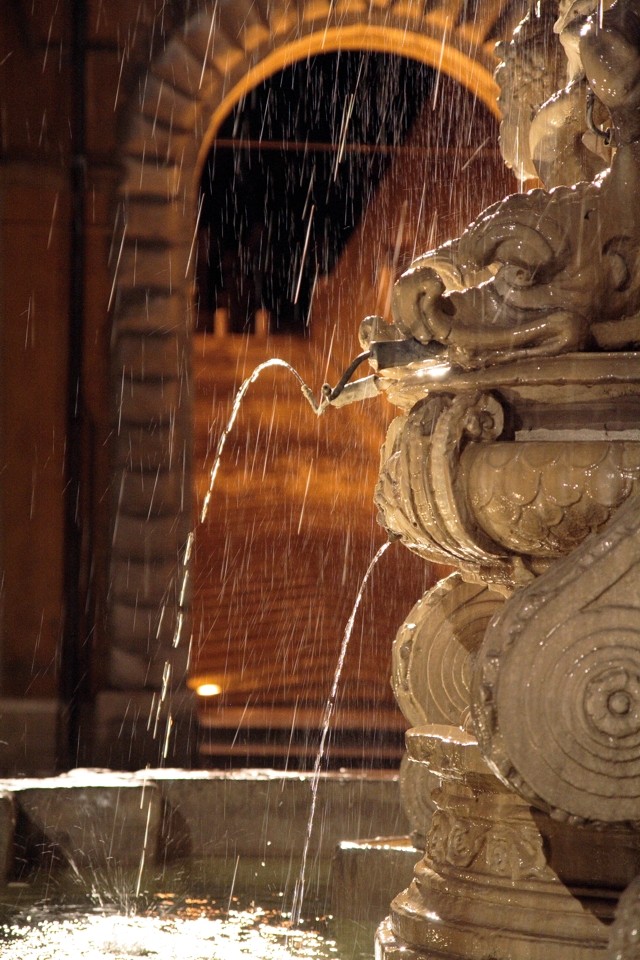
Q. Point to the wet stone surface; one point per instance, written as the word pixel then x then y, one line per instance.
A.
pixel 208 830
pixel 84 819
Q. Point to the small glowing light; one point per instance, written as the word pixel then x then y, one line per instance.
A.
pixel 208 689
pixel 441 370
pixel 435 372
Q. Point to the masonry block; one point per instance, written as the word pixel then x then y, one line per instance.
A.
pixel 265 813
pixel 86 819
pixel 138 447
pixel 145 140
pixel 141 628
pixel 178 65
pixel 160 539
pixel 146 355
pixel 151 402
pixel 147 220
pixel 7 828
pixel 164 181
pixel 160 313
pixel 161 266
pixel 163 103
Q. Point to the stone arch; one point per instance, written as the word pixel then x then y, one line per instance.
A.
pixel 206 66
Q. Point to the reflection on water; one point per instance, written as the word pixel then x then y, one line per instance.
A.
pixel 194 929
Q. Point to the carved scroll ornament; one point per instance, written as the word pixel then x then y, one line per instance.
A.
pixel 556 699
pixel 418 494
pixel 435 649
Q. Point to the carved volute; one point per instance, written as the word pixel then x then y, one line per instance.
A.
pixel 518 442
pixel 516 459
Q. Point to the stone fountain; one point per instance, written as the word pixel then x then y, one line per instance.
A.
pixel 513 358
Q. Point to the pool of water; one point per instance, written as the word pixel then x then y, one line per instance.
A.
pixel 168 928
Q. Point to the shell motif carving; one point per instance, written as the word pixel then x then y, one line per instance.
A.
pixel 435 648
pixel 556 690
pixel 543 498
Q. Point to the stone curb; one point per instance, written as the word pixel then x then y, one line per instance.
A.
pixel 99 821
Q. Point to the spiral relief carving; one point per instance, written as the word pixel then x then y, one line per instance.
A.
pixel 434 650
pixel 557 686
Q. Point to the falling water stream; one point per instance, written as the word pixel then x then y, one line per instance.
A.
pixel 272 362
pixel 317 408
pixel 299 891
pixel 204 931
pixel 298 896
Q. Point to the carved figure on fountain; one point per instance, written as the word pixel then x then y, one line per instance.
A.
pixel 550 271
pixel 542 274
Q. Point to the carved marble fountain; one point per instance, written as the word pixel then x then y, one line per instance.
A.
pixel 513 357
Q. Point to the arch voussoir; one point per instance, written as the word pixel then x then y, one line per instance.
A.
pixel 164 103
pixel 150 312
pixel 149 178
pixel 178 66
pixel 146 542
pixel 142 628
pixel 150 354
pixel 148 141
pixel 151 403
pixel 144 671
pixel 245 22
pixel 210 43
pixel 152 493
pixel 154 267
pixel 154 222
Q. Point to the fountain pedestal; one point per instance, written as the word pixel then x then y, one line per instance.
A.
pixel 499 879
pixel 513 356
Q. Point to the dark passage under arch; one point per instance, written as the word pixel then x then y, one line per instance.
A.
pixel 289 175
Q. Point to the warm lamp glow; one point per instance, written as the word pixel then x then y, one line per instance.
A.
pixel 208 689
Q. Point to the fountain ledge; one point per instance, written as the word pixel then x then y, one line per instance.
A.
pixel 248 825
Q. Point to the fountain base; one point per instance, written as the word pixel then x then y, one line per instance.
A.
pixel 500 880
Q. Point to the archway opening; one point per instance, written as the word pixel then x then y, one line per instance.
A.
pixel 322 185
pixel 288 178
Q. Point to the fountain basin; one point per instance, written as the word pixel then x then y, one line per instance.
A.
pixel 244 827
pixel 95 860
